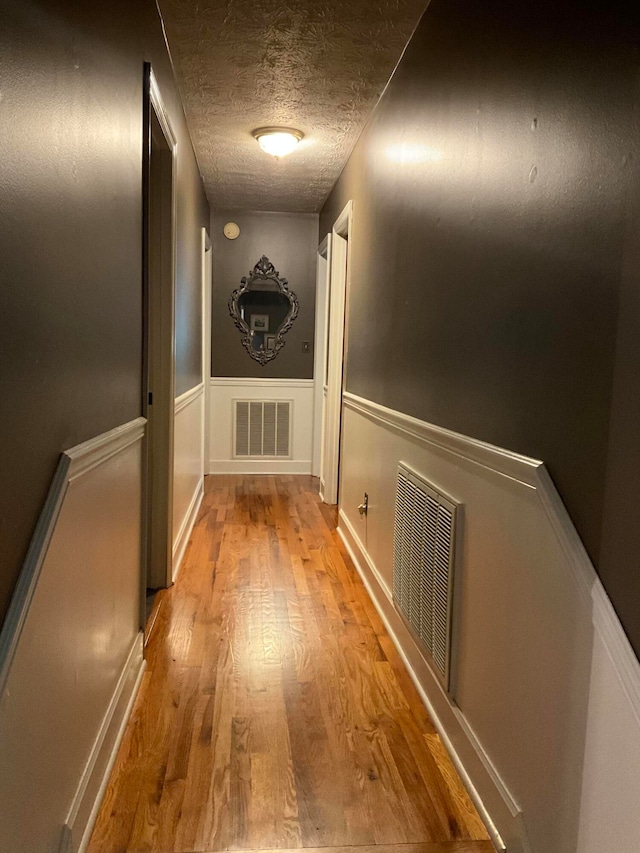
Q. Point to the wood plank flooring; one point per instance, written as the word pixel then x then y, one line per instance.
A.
pixel 275 711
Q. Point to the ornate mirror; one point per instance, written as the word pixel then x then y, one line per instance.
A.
pixel 263 308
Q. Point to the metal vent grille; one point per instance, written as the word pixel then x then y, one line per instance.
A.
pixel 262 429
pixel 423 565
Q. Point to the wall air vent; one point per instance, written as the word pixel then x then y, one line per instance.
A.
pixel 262 429
pixel 423 566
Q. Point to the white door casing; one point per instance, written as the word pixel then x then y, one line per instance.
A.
pixel 206 341
pixel 319 366
pixel 339 266
pixel 162 217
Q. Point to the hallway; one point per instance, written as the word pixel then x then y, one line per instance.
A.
pixel 275 711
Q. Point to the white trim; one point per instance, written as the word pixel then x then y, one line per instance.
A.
pixel 623 658
pixel 132 673
pixel 517 467
pixel 247 382
pixel 222 411
pixel 185 438
pixel 206 271
pixel 353 543
pixel 86 838
pixel 84 457
pixel 252 465
pixel 155 97
pixel 28 578
pixel 323 290
pixel 73 464
pixel 523 469
pixel 614 682
pixel 161 309
pixel 340 275
pixel 188 397
pixel 186 528
pixel 380 595
pixel 579 563
pixel 344 222
pixel 91 480
pixel 500 784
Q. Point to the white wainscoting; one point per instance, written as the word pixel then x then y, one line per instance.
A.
pixel 71 647
pixel 188 468
pixel 545 726
pixel 221 400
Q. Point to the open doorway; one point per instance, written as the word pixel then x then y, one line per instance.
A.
pixel 159 153
pixel 336 356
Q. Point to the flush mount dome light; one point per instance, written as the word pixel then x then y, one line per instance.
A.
pixel 278 141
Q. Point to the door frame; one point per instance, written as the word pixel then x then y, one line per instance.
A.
pixel 323 268
pixel 340 267
pixel 206 271
pixel 158 360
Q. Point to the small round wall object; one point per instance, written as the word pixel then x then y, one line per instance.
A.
pixel 231 230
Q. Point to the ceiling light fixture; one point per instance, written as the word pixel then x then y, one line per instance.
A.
pixel 278 141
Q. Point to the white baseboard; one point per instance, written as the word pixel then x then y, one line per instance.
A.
pixel 381 597
pixel 86 803
pixel 259 466
pixel 186 528
pixel 359 555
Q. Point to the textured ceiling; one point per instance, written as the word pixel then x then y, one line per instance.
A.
pixel 317 65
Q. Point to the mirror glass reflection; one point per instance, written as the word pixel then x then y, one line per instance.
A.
pixel 265 313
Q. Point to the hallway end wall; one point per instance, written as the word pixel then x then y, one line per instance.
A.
pixel 494 259
pixel 290 241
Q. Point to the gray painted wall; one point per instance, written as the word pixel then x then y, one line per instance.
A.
pixel 290 241
pixel 496 251
pixel 70 239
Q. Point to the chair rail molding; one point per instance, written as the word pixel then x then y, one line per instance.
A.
pixel 188 397
pixel 259 382
pixel 73 464
pixel 504 462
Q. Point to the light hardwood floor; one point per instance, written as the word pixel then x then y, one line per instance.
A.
pixel 275 711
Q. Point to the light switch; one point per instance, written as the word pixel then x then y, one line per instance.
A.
pixel 306 346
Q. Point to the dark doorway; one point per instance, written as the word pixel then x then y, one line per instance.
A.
pixel 158 355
